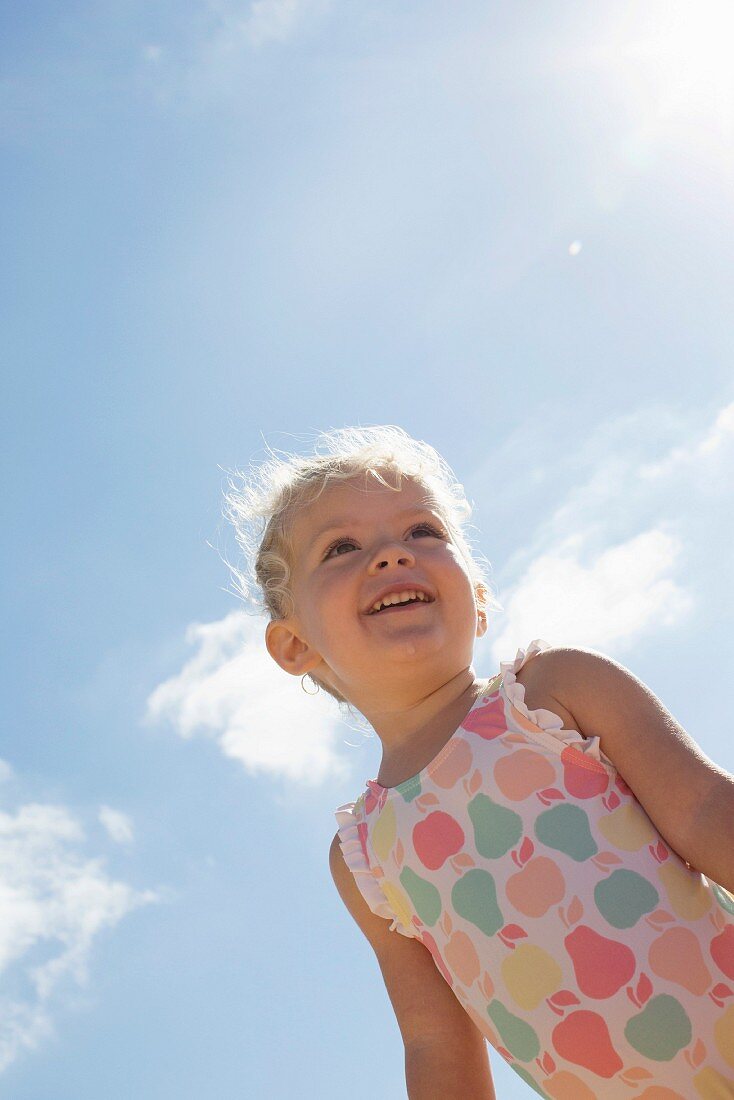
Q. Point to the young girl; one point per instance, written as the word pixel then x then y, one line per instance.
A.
pixel 554 851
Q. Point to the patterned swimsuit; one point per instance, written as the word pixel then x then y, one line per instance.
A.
pixel 590 955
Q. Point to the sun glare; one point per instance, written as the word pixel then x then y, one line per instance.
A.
pixel 688 49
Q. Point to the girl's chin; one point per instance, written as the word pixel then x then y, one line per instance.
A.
pixel 406 649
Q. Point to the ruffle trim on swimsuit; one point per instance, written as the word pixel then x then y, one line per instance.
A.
pixel 356 860
pixel 546 720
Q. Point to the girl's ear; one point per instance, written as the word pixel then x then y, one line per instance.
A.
pixel 480 595
pixel 288 650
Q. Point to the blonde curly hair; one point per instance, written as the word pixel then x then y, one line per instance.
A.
pixel 261 503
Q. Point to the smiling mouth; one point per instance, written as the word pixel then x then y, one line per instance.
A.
pixel 401 597
pixel 401 607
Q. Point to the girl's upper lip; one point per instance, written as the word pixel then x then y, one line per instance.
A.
pixel 399 586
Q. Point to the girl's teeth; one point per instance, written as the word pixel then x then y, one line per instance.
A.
pixel 398 597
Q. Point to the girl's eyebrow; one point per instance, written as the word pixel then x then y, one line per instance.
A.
pixel 335 526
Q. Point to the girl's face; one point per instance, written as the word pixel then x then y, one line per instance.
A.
pixel 357 539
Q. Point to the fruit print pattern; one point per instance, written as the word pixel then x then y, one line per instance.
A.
pixel 591 956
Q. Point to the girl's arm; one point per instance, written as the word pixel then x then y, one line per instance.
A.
pixel 446 1055
pixel 688 797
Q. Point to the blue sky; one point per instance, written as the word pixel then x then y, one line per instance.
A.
pixel 508 231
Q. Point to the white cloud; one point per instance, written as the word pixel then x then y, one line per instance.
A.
pixel 54 901
pixel 606 603
pixel 233 691
pixel 118 825
pixel 629 548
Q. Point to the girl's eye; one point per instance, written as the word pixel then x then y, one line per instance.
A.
pixel 427 529
pixel 336 547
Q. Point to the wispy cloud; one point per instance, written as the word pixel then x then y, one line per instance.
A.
pixel 232 690
pixel 274 20
pixel 211 64
pixel 628 549
pixel 118 825
pixel 237 28
pixel 705 452
pixel 54 902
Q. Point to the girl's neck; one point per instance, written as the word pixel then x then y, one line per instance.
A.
pixel 411 737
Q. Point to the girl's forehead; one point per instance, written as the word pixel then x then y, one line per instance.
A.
pixel 364 493
pixel 344 502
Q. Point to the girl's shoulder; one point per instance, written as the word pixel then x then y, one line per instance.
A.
pixel 545 678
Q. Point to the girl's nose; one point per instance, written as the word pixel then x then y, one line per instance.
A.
pixel 393 554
